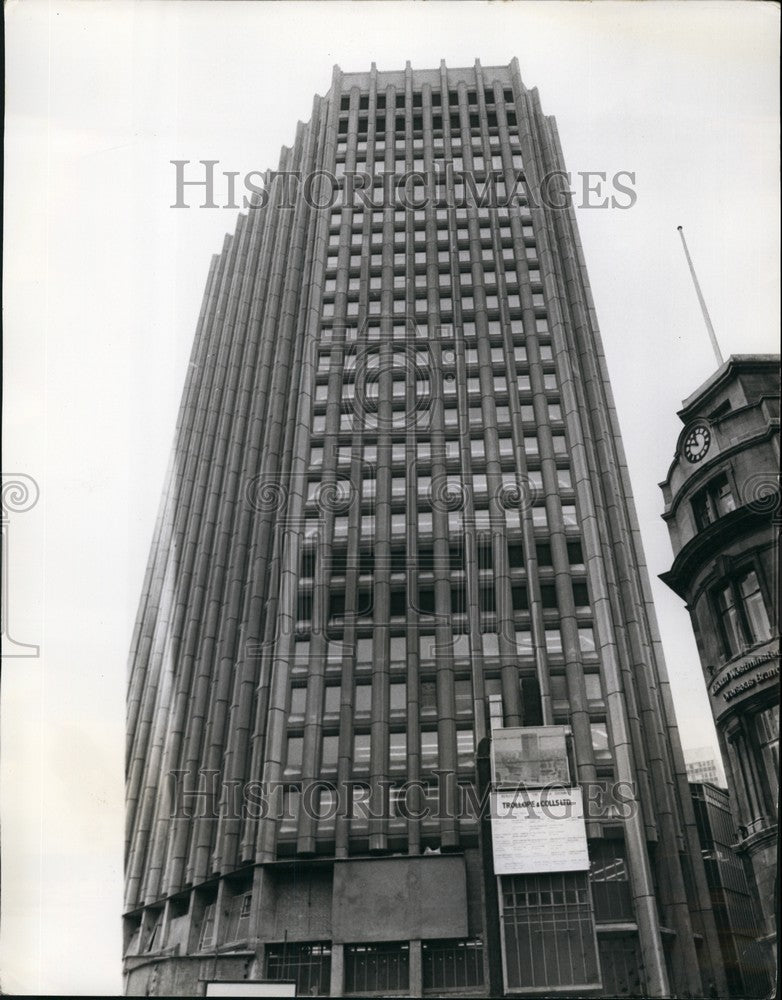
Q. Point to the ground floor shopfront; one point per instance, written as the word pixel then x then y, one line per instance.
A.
pixel 397 925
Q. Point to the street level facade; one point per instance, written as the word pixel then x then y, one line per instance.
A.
pixel 722 508
pixel 739 922
pixel 397 541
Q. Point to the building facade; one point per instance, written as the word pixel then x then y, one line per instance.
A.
pixel 722 509
pixel 398 510
pixel 701 763
pixel 736 912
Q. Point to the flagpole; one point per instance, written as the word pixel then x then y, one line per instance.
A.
pixel 704 310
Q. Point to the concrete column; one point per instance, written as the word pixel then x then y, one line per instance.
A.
pixel 177 574
pixel 141 639
pixel 236 525
pixel 649 931
pixel 256 932
pixel 416 988
pixel 443 628
pixel 167 578
pixel 470 559
pixel 337 982
pixel 525 492
pixel 286 617
pixel 313 721
pixel 379 716
pixel 353 542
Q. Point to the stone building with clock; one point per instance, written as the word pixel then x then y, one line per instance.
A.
pixel 722 508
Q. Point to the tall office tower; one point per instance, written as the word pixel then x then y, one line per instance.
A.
pixel 397 530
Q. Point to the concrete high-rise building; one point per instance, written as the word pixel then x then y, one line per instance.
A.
pixel 701 763
pixel 722 503
pixel 398 524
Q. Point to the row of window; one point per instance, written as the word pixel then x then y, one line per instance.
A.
pixel 451 447
pixel 369 362
pixel 377 238
pixel 420 306
pixel 344 490
pixel 377 968
pixel 453 563
pixel 427 698
pixel 399 125
pixel 424 521
pixel 448 169
pixel 428 648
pixel 421 280
pixel 345 493
pixel 360 414
pixel 422 286
pixel 411 332
pixel 420 303
pixel 407 161
pixel 445 299
pixel 314 530
pixel 369 388
pixel 429 760
pixel 364 561
pixel 405 215
pixel 474 412
pixel 496 218
pixel 363 417
pixel 397 750
pixel 422 604
pixel 451 97
pixel 369 396
pixel 402 418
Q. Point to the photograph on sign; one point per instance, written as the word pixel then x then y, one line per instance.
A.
pixel 532 756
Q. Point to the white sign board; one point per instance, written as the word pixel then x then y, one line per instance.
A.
pixel 539 830
pixel 248 989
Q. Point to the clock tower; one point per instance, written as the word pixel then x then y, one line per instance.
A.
pixel 722 508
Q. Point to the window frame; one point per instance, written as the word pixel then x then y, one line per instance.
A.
pixel 732 582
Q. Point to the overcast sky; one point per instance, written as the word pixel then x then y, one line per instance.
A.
pixel 103 283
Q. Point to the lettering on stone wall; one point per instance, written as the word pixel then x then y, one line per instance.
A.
pixel 742 668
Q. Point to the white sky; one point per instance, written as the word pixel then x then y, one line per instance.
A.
pixel 103 282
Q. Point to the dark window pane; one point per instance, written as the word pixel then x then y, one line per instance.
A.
pixel 548 943
pixel 374 968
pixel 309 964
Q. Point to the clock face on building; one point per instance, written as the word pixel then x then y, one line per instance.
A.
pixel 696 443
